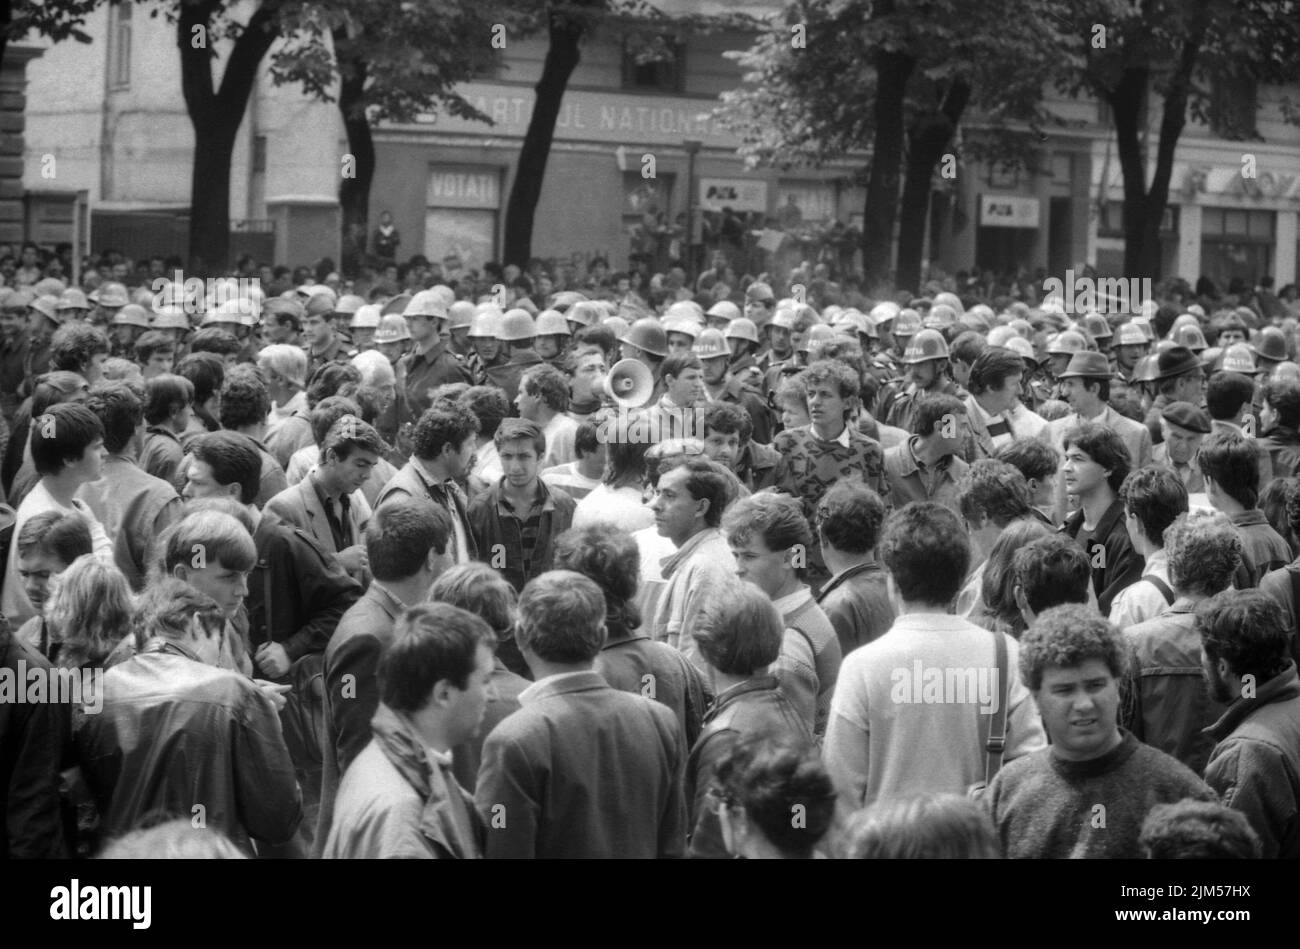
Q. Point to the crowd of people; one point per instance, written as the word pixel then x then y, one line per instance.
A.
pixel 511 565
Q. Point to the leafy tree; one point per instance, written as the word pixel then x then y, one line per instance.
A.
pixel 385 60
pixel 834 79
pixel 1182 51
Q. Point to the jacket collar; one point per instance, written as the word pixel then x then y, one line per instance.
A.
pixel 561 684
pixel 688 550
pixel 857 570
pixel 762 683
pixel 1280 688
pixel 432 781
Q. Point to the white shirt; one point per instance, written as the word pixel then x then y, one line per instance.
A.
pixel 622 507
pixel 560 432
pixel 1142 601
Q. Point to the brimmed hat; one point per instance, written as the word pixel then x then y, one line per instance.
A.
pixel 1176 361
pixel 1086 364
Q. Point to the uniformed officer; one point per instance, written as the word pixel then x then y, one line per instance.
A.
pixel 517 332
pixel 322 343
pixel 926 359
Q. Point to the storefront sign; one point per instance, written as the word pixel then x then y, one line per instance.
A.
pixel 1003 210
pixel 739 194
pixel 464 186
pixel 587 116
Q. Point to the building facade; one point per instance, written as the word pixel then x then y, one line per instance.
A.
pixel 635 155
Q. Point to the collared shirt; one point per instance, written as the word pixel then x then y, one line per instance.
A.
pixel 530 694
pixel 792 601
pixel 339 521
pixel 442 491
pixel 1143 600
pixel 529 524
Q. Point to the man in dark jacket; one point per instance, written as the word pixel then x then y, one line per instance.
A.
pixel 179 735
pixel 32 736
pixel 515 522
pixel 406 542
pixel 582 769
pixel 1096 464
pixel 1164 702
pixel 855 599
pixel 1255 767
pixel 1280 422
pixel 729 440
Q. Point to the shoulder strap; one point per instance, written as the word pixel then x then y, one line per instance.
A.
pixel 1295 592
pixel 996 743
pixel 1160 585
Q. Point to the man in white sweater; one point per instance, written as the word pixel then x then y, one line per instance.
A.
pixel 68 451
pixel 688 508
pixel 911 709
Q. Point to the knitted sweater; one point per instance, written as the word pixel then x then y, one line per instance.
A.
pixel 1045 806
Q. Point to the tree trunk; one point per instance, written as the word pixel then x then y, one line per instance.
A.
pixel 1127 104
pixel 216 116
pixel 6 16
pixel 354 192
pixel 881 208
pixel 928 138
pixel 562 57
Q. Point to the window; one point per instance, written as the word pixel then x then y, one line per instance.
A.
pixel 1232 107
pixel 259 153
pixel 1234 224
pixel 121 75
pixel 1111 223
pixel 654 63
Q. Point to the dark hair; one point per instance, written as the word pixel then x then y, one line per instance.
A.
pixel 707 481
pixel 777 519
pixel 770 777
pixel 1032 457
pixel 548 383
pixel 224 538
pixel 737 629
pixel 1283 396
pixel 400 533
pixel 1231 460
pixel 481 590
pixel 1273 502
pixel 519 429
pixel 73 345
pixel 1247 629
pixel 350 434
pixel 849 517
pixel 992 368
pixel 1157 497
pixel 678 363
pixel 444 424
pixel 328 411
pixel 66 536
pixel 585 439
pixel 432 642
pixel 727 418
pixel 489 405
pixel 206 370
pixel 1067 637
pixel 213 340
pixel 234 459
pixel 1226 393
pixel 1052 571
pixel 150 342
pixel 245 399
pixel 932 409
pixel 61 436
pixel 166 606
pixel 561 617
pixel 926 551
pixel 993 490
pixel 164 394
pixel 54 387
pixel 609 557
pixel 1104 446
pixel 328 378
pixel 120 409
pixel 598 335
pixel 845 379
pixel 969 345
pixel 998 585
pixel 1198 830
pixel 625 457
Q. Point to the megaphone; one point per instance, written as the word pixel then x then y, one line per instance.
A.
pixel 629 383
